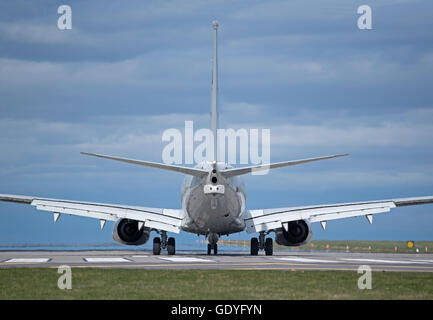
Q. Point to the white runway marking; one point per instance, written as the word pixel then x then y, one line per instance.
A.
pixel 139 256
pixel 429 261
pixel 297 259
pixel 380 261
pixel 107 260
pixel 28 260
pixel 186 259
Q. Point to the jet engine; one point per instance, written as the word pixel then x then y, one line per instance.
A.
pixel 126 232
pixel 298 233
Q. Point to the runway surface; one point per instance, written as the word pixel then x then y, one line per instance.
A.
pixel 226 260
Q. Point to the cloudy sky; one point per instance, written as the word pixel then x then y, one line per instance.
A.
pixel 128 70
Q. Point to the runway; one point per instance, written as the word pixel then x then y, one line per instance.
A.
pixel 184 260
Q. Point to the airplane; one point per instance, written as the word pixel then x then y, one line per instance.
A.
pixel 214 203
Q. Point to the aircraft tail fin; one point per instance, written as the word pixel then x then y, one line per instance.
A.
pixel 214 99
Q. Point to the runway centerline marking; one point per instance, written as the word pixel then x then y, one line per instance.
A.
pixel 185 259
pixel 298 259
pixel 421 261
pixel 380 261
pixel 106 260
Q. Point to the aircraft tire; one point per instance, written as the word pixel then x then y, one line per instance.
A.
pixel 269 247
pixel 171 246
pixel 254 246
pixel 156 246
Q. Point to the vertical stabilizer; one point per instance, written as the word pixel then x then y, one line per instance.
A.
pixel 214 100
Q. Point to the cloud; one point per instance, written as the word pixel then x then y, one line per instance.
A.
pixel 409 128
pixel 46 146
pixel 45 34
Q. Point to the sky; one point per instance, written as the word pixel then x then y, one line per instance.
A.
pixel 128 70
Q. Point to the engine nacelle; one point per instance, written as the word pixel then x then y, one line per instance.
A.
pixel 126 232
pixel 299 233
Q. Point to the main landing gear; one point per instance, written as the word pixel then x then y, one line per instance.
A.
pixel 261 244
pixel 164 243
pixel 212 246
pixel 212 239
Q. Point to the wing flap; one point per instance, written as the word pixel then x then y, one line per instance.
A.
pixel 76 212
pixel 110 213
pixel 271 225
pixel 348 214
pixel 161 226
pixel 330 211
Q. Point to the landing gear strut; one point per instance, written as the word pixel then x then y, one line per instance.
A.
pixel 261 244
pixel 212 238
pixel 164 243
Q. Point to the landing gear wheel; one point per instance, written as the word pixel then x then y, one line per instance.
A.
pixel 171 246
pixel 156 246
pixel 210 247
pixel 269 247
pixel 254 246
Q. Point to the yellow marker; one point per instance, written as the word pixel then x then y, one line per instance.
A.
pixel 410 244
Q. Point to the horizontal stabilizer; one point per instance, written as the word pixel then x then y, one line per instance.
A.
pixel 262 167
pixel 185 170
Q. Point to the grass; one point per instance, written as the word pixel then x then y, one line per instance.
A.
pixel 41 283
pixel 354 246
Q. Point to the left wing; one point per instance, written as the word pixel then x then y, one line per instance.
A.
pixel 156 218
pixel 270 219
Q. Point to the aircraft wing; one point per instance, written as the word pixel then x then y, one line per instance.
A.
pixel 157 218
pixel 271 219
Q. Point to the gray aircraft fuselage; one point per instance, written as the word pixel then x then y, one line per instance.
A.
pixel 213 204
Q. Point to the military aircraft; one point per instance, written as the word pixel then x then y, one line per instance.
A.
pixel 214 204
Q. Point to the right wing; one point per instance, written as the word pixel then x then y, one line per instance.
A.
pixel 154 218
pixel 271 219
